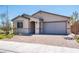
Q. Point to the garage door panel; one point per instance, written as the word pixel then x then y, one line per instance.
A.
pixel 55 28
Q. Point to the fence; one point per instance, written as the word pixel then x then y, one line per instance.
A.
pixel 75 28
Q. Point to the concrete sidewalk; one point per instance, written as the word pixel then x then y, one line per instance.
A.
pixel 19 47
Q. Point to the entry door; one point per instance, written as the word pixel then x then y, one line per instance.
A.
pixel 32 27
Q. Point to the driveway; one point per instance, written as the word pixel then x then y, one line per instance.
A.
pixel 53 40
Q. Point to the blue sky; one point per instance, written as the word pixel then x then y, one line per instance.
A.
pixel 15 10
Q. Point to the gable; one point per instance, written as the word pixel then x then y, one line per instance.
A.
pixel 39 12
pixel 50 17
pixel 18 17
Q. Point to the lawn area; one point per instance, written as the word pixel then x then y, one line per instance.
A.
pixel 3 36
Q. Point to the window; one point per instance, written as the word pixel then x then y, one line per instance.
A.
pixel 19 24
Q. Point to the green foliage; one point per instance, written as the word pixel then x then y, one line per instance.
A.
pixel 74 17
pixel 77 39
pixel 6 23
pixel 9 36
pixel 4 36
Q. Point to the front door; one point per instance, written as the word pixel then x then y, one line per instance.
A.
pixel 32 27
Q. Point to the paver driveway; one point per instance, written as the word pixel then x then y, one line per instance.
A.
pixel 55 40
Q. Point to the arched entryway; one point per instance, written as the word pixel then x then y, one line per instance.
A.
pixel 32 26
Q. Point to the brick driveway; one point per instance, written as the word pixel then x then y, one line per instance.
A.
pixel 55 40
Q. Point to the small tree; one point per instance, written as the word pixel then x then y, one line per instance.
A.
pixel 3 16
pixel 6 25
pixel 74 18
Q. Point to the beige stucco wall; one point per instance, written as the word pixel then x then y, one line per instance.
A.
pixel 26 25
pixel 37 24
pixel 34 19
pixel 49 17
pixel 25 28
pixel 68 28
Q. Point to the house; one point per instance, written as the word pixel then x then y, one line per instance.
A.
pixel 41 22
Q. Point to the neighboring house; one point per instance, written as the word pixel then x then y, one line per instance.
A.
pixel 41 23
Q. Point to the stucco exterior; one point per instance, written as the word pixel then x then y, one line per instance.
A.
pixel 39 19
pixel 25 29
pixel 53 18
pixel 48 17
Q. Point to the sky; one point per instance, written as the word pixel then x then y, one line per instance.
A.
pixel 15 10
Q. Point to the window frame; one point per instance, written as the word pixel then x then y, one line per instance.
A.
pixel 20 24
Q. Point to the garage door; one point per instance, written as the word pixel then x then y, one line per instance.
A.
pixel 55 27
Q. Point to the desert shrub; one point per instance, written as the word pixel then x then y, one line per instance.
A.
pixel 77 39
pixel 9 36
pixel 2 36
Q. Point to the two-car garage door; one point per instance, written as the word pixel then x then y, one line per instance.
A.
pixel 54 28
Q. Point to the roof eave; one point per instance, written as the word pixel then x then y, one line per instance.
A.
pixel 20 16
pixel 51 14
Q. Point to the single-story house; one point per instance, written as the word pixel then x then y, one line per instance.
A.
pixel 41 22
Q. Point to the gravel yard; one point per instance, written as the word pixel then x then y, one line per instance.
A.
pixel 53 40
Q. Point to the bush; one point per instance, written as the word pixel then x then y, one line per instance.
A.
pixel 9 36
pixel 77 39
pixel 2 32
pixel 3 36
